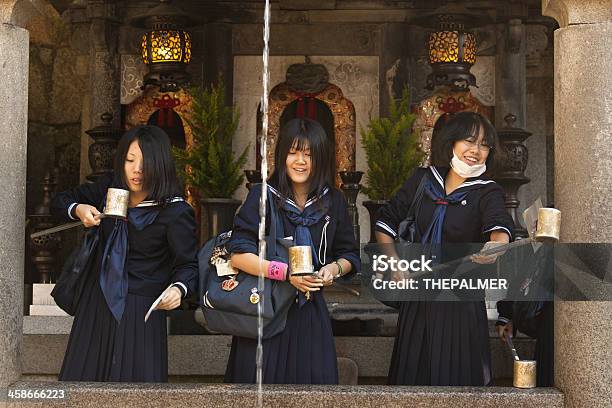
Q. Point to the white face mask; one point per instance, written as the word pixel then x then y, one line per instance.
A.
pixel 465 170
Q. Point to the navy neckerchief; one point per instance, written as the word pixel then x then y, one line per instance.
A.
pixel 315 209
pixel 113 275
pixel 434 189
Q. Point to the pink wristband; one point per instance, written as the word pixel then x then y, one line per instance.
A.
pixel 277 270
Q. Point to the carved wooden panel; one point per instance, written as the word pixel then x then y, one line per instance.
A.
pixel 443 100
pixel 139 112
pixel 342 110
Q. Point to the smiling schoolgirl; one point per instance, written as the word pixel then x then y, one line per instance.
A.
pixel 447 343
pixel 313 213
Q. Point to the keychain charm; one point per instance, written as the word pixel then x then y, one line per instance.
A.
pixel 254 298
pixel 229 284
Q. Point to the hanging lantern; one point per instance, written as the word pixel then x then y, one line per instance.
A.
pixel 452 48
pixel 165 47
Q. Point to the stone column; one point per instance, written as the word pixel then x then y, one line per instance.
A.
pixel 583 137
pixel 14 54
pixel 105 71
pixel 510 74
pixel 216 59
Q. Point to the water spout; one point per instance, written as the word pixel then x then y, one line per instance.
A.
pixel 262 201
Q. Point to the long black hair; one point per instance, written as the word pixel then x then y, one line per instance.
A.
pixel 460 126
pixel 301 133
pixel 159 171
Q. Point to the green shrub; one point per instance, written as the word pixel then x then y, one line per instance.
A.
pixel 211 166
pixel 391 148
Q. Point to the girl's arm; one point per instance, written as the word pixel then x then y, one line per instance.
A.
pixel 244 249
pixel 183 244
pixel 497 225
pixel 345 249
pixel 251 264
pixel 90 195
pixel 391 215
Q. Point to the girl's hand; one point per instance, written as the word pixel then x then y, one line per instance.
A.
pixel 306 283
pixel 504 331
pixel 171 300
pixel 88 214
pixel 327 274
pixel 488 259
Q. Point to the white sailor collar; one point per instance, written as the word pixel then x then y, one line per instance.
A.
pixel 153 203
pixel 474 182
pixel 311 200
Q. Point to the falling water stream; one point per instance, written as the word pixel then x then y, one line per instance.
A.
pixel 262 203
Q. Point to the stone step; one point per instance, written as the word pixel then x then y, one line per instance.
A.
pixel 170 395
pixel 207 355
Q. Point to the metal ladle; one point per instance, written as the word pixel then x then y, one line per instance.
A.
pixel 117 201
pixel 524 370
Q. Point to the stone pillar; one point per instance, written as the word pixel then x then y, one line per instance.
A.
pixel 510 74
pixel 217 58
pixel 14 54
pixel 583 136
pixel 105 71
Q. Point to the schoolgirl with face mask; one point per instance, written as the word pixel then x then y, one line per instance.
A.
pixel 447 343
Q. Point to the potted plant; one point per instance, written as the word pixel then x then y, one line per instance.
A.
pixel 392 152
pixel 210 166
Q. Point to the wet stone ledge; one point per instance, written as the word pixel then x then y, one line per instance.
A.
pixel 207 355
pixel 114 395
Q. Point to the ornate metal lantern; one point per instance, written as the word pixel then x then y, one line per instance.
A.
pixel 102 151
pixel 452 48
pixel 44 247
pixel 166 46
pixel 512 174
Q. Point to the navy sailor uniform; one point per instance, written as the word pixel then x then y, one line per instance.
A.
pixel 164 252
pixel 445 343
pixel 304 353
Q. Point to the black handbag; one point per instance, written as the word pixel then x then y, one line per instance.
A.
pixel 407 228
pixel 234 311
pixel 69 287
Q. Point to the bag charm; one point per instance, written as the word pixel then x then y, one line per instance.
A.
pixel 226 269
pixel 229 284
pixel 254 298
pixel 222 264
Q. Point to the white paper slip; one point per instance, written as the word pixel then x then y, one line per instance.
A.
pixel 154 305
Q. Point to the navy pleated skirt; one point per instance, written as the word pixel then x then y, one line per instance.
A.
pixel 441 343
pixel 101 349
pixel 304 353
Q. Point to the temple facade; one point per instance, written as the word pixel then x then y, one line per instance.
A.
pixel 74 77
